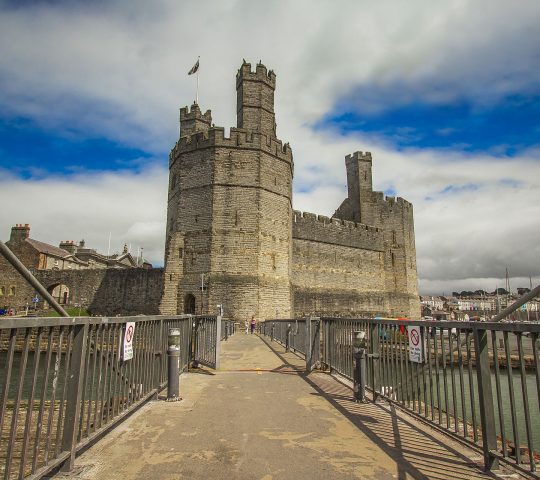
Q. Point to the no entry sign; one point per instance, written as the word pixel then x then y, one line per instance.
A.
pixel 129 333
pixel 415 344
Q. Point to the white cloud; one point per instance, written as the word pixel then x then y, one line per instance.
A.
pixel 129 206
pixel 107 71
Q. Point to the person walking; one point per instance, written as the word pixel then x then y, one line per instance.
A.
pixel 253 323
pixel 246 324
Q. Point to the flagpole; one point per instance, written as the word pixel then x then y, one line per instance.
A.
pixel 197 95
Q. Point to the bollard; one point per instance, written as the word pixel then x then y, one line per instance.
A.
pixel 288 340
pixel 359 348
pixel 173 365
pixel 226 331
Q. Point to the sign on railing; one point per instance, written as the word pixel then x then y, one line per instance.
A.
pixel 129 333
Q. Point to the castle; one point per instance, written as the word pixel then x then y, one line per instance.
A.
pixel 233 238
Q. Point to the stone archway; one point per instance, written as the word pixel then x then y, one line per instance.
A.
pixel 189 303
pixel 60 292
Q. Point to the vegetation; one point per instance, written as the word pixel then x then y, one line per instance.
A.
pixel 72 311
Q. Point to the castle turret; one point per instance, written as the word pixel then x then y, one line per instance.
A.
pixel 357 206
pixel 229 216
pixel 194 120
pixel 255 99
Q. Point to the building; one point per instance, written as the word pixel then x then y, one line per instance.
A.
pixel 233 238
pixel 42 258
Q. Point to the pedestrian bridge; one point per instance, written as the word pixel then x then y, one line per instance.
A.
pixel 260 416
pixel 278 404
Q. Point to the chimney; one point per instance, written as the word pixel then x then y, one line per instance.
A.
pixel 69 246
pixel 19 233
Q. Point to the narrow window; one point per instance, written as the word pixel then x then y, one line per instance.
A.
pixel 236 218
pixel 393 260
pixel 180 252
pixel 273 261
pixel 2 291
pixel 12 290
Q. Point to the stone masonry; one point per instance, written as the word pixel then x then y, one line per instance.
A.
pixel 233 238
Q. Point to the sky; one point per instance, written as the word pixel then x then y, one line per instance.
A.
pixel 445 94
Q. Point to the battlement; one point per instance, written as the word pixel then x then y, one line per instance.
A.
pixel 238 138
pixel 194 113
pixel 319 228
pixel 390 201
pixel 261 74
pixel 366 157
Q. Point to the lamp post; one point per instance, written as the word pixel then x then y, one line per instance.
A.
pixel 359 349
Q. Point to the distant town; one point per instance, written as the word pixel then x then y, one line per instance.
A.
pixel 478 305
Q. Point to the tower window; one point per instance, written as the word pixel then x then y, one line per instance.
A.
pixel 180 252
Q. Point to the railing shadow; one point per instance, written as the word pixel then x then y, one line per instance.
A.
pixel 417 453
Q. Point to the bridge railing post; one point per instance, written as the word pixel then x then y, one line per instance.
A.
pixel 374 358
pixel 485 398
pixel 74 392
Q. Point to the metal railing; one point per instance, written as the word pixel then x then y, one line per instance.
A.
pixel 63 381
pixel 478 381
pixel 300 335
pixel 228 328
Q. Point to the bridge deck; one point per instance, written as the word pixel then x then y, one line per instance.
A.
pixel 260 417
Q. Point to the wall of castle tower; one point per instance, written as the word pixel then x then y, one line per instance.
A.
pixel 251 236
pixel 189 214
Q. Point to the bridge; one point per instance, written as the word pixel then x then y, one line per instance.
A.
pixel 285 402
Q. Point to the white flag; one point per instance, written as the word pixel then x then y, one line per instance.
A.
pixel 194 68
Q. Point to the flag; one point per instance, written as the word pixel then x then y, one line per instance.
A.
pixel 194 68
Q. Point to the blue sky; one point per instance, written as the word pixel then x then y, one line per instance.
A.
pixel 30 151
pixel 446 96
pixel 506 126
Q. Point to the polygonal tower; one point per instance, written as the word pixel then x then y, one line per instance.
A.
pixel 230 210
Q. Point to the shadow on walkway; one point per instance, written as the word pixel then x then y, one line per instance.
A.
pixel 418 453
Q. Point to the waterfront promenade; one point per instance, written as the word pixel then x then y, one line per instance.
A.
pixel 260 417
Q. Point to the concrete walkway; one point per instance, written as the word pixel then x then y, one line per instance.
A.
pixel 260 417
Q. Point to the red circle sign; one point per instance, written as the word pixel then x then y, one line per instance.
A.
pixel 129 334
pixel 415 338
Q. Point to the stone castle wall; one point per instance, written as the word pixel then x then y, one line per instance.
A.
pixel 103 291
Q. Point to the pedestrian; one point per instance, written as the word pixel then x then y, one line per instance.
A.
pixel 253 323
pixel 246 324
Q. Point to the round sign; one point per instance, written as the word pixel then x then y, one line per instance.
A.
pixel 129 334
pixel 415 338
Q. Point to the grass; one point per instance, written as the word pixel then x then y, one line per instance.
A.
pixel 72 311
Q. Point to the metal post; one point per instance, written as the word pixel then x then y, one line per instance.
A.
pixel 173 367
pixel 288 339
pixel 74 392
pixel 359 349
pixel 272 332
pixel 219 321
pixel 158 357
pixel 485 397
pixel 374 356
pixel 16 263
pixel 308 345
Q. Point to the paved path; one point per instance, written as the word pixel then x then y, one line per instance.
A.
pixel 260 417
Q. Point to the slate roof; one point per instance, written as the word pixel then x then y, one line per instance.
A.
pixel 43 247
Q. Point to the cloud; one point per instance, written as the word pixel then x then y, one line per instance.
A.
pixel 99 70
pixel 130 206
